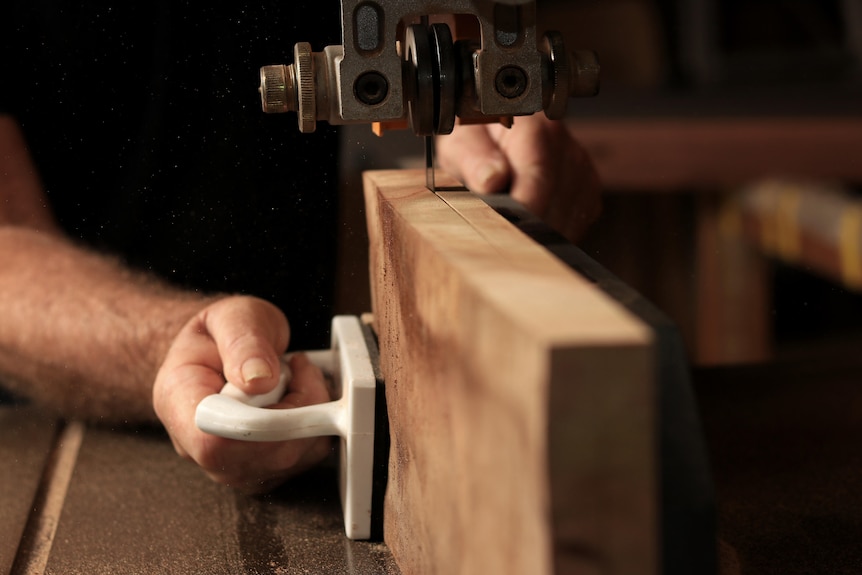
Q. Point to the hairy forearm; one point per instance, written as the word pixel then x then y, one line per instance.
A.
pixel 79 332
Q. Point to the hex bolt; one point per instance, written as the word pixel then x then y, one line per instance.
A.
pixel 511 82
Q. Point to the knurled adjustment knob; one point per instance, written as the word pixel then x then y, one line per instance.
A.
pixel 303 64
pixel 556 87
pixel 277 89
pixel 568 74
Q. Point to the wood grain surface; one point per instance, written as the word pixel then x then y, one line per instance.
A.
pixel 521 398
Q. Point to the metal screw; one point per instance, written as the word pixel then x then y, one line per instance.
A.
pixel 371 88
pixel 511 82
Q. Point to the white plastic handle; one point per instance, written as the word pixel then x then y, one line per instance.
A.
pixel 236 415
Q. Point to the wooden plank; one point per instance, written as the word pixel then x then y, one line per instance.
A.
pixel 686 492
pixel 134 506
pixel 696 153
pixel 521 398
pixel 26 437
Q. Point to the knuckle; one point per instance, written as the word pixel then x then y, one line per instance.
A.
pixel 241 342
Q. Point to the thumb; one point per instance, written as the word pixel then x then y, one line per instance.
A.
pixel 470 154
pixel 250 335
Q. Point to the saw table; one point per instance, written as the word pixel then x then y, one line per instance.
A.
pixel 780 439
pixel 92 500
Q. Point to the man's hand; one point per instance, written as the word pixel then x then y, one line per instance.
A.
pixel 240 339
pixel 537 159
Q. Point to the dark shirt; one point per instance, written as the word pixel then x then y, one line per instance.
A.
pixel 145 123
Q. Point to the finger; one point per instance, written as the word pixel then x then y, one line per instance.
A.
pixel 533 146
pixel 250 335
pixel 308 386
pixel 191 370
pixel 553 175
pixel 473 157
pixel 176 397
pixel 250 466
pixel 277 462
pixel 581 205
pixel 258 466
pixel 287 460
pixel 575 194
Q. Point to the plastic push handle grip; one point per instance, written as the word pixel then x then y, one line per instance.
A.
pixel 236 415
pixel 233 414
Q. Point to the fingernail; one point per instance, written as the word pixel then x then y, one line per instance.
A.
pixel 255 368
